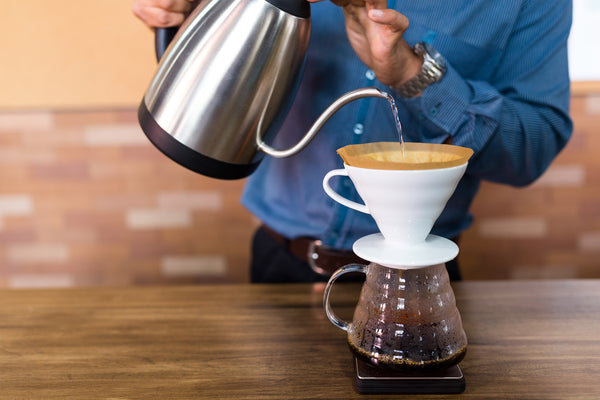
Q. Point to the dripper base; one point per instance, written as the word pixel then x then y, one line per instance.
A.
pixel 432 251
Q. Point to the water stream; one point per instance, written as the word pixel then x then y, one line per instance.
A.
pixel 390 99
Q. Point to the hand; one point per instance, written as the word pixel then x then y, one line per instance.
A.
pixel 162 13
pixel 376 35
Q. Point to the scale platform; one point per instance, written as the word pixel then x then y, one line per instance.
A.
pixel 369 379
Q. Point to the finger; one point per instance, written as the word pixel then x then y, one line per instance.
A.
pixel 376 4
pixel 167 18
pixel 340 3
pixel 160 18
pixel 180 6
pixel 393 19
pixel 161 13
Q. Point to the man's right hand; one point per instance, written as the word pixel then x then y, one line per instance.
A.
pixel 162 13
pixel 376 35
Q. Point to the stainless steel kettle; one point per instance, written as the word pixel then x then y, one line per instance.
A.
pixel 225 83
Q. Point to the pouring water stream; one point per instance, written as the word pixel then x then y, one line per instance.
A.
pixel 392 102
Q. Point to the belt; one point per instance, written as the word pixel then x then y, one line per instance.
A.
pixel 324 260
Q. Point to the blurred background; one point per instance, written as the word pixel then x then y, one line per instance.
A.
pixel 86 200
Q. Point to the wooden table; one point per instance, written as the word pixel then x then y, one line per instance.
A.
pixel 527 340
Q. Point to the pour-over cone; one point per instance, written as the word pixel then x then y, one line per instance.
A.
pixel 405 194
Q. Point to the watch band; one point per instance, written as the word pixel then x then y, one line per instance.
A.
pixel 432 70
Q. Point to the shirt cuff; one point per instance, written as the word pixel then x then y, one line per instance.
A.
pixel 441 107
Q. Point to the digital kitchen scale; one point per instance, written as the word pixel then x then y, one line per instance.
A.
pixel 369 379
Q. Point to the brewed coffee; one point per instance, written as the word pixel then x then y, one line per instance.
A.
pixel 436 361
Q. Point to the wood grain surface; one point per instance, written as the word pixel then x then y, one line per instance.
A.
pixel 527 340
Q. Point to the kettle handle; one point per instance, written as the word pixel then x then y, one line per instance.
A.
pixel 340 323
pixel 323 118
pixel 162 38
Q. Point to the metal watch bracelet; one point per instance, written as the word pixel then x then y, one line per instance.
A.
pixel 432 70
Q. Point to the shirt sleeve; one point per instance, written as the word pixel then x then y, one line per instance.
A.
pixel 518 121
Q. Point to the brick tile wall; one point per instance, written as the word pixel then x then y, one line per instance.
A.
pixel 550 229
pixel 86 200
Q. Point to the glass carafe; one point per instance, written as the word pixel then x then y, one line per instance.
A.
pixel 405 318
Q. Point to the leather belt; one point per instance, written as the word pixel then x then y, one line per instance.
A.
pixel 324 260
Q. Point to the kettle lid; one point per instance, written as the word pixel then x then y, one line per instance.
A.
pixel 298 8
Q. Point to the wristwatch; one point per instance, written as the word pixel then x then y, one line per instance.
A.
pixel 433 70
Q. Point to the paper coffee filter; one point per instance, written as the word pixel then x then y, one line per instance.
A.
pixel 389 155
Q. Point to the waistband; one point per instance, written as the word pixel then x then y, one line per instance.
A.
pixel 324 260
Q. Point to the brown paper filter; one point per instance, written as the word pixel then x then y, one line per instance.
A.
pixel 389 155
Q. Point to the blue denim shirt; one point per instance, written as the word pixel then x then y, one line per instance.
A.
pixel 505 95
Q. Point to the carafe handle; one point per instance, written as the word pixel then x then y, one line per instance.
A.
pixel 318 124
pixel 340 323
pixel 339 198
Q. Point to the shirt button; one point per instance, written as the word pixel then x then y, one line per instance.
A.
pixel 358 129
pixel 370 75
pixel 434 111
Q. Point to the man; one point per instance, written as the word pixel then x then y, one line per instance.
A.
pixel 491 76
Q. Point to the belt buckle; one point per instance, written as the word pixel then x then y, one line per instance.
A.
pixel 313 257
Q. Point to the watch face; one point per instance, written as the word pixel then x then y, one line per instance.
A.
pixel 432 70
pixel 435 55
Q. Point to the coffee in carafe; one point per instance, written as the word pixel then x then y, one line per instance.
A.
pixel 407 319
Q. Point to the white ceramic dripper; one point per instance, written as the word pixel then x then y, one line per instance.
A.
pixel 405 203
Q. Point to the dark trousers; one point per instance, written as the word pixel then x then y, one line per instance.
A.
pixel 272 262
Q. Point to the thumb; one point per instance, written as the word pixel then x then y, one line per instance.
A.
pixel 392 18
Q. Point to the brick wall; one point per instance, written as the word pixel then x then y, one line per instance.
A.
pixel 550 229
pixel 86 200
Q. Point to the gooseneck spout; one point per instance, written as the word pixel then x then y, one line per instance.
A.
pixel 323 118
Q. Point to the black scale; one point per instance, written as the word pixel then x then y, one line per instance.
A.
pixel 369 379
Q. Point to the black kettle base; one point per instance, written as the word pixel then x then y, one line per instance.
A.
pixel 187 157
